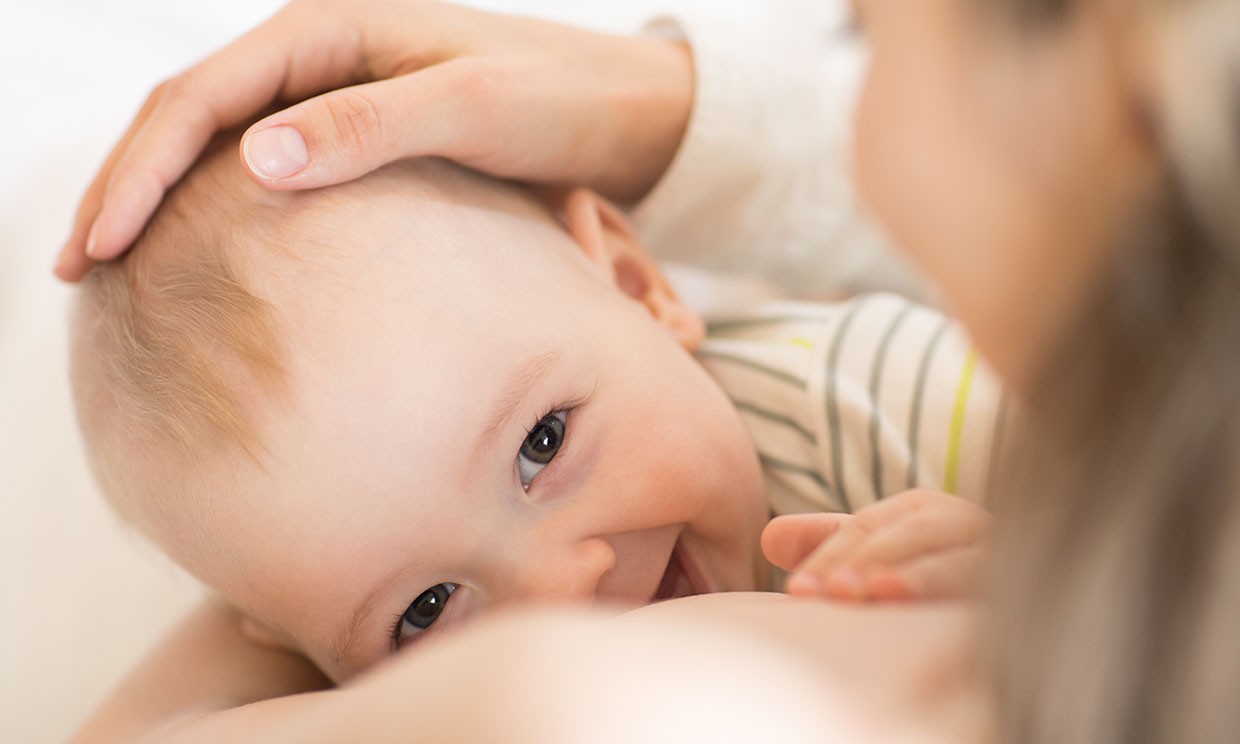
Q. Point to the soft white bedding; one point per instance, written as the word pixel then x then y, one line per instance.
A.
pixel 82 598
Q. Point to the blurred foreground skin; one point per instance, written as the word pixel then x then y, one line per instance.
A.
pixel 727 668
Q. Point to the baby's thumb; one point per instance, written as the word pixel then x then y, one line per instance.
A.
pixel 347 133
pixel 787 541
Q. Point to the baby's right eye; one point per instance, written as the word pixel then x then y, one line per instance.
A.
pixel 422 612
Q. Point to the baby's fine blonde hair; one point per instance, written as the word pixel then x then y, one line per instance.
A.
pixel 174 353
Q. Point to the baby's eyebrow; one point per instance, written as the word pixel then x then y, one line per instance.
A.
pixel 505 407
pixel 509 401
pixel 349 632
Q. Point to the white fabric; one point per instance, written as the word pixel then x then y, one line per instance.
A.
pixel 762 182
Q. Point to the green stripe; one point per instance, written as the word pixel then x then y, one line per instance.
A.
pixel 876 376
pixel 919 392
pixel 833 404
pixel 777 374
pixel 777 418
pixel 787 467
pixel 727 324
pixel 957 425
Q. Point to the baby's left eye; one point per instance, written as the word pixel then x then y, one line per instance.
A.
pixel 541 446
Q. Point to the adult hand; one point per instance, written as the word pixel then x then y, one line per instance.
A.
pixel 515 97
pixel 912 545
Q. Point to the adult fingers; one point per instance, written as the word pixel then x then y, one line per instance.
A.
pixel 220 92
pixel 790 539
pixel 72 262
pixel 338 136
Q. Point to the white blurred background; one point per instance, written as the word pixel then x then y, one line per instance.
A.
pixel 82 597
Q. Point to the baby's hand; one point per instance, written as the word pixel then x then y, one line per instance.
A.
pixel 913 545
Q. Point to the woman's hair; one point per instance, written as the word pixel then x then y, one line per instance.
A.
pixel 1118 556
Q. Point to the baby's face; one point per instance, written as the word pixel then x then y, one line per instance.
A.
pixel 478 417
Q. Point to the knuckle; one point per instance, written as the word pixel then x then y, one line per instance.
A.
pixel 470 76
pixel 479 85
pixel 178 90
pixel 160 90
pixel 921 523
pixel 851 531
pixel 354 121
pixel 825 558
pixel 921 498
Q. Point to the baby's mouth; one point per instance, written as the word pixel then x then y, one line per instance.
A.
pixel 680 578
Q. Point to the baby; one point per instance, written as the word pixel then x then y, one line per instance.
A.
pixel 370 413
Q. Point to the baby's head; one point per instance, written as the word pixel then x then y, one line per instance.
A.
pixel 407 401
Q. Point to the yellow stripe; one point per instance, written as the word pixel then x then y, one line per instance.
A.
pixel 957 430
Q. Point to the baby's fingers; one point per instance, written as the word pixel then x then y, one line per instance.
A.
pixel 949 574
pixel 818 574
pixel 788 540
pixel 925 531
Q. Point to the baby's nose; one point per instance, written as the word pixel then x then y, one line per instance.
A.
pixel 568 573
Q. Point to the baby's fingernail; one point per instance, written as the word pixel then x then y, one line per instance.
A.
pixel 847 583
pixel 803 583
pixel 92 239
pixel 275 153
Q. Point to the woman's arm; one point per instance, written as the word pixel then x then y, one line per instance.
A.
pixel 205 664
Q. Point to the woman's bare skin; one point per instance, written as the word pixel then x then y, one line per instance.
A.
pixel 748 664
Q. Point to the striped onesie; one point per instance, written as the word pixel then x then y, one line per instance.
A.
pixel 849 402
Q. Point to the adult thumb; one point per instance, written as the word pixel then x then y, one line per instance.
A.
pixel 338 136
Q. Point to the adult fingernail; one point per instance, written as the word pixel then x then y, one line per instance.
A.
pixel 92 239
pixel 275 153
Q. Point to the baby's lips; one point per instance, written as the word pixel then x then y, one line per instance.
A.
pixel 697 580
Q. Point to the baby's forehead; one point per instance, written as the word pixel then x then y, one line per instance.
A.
pixel 421 216
pixel 422 256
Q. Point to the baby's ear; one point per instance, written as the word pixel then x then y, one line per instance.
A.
pixel 604 236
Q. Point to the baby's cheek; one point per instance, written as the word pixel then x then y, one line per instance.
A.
pixel 704 470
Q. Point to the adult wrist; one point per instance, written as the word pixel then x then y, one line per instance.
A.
pixel 650 117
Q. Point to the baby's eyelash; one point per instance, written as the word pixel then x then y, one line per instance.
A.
pixel 394 632
pixel 565 407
